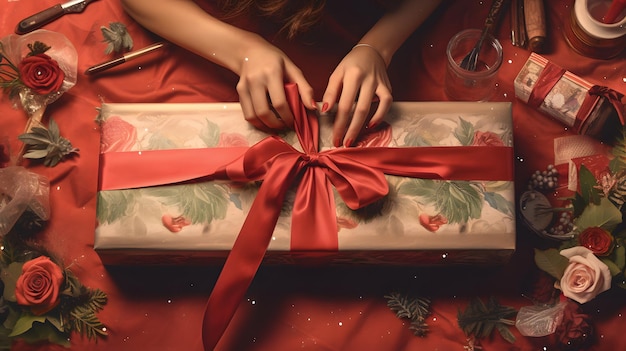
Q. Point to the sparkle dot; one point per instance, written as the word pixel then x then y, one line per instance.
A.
pixel 510 61
pixel 340 324
pixel 434 319
pixel 58 188
pixel 245 59
pixel 169 301
pixel 445 255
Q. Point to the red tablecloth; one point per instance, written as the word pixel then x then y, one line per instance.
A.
pixel 288 308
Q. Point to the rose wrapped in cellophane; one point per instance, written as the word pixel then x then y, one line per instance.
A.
pixel 37 68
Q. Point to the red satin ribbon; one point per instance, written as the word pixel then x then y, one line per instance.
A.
pixel 548 77
pixel 358 174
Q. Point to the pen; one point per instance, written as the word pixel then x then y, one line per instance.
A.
pixel 124 58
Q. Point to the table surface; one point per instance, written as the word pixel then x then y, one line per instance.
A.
pixel 291 307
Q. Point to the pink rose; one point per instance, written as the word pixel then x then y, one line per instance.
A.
pixel 378 136
pixel 596 239
pixel 585 277
pixel 486 139
pixel 232 139
pixel 41 73
pixel 39 285
pixel 432 223
pixel 117 135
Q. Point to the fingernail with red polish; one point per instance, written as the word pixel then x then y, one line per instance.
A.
pixel 348 143
pixel 337 142
pixel 325 107
pixel 372 125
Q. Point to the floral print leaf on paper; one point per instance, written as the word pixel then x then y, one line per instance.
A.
pixel 210 134
pixel 499 203
pixel 199 203
pixel 464 132
pixel 458 201
pixel 114 204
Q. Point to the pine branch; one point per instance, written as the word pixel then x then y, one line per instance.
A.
pixel 414 309
pixel 83 318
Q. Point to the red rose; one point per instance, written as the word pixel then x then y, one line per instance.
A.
pixel 486 139
pixel 117 135
pixel 596 239
pixel 41 73
pixel 4 156
pixel 575 331
pixel 39 285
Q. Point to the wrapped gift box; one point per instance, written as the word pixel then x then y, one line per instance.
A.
pixel 567 98
pixel 420 221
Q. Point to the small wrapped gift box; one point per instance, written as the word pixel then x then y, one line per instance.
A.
pixel 190 215
pixel 588 109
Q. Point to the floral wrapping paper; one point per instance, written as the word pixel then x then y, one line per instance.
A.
pixel 420 221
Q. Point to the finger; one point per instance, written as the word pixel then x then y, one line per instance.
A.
pixel 294 74
pixel 384 104
pixel 332 92
pixel 360 115
pixel 262 108
pixel 278 102
pixel 248 109
pixel 342 117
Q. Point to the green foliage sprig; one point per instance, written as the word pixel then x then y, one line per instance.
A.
pixel 47 144
pixel 117 38
pixel 480 320
pixel 415 309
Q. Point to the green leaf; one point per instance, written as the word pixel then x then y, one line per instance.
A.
pixel 200 202
pixel 604 214
pixel 9 277
pixel 25 323
pixel 613 268
pixel 551 262
pixel 210 134
pixel 479 319
pixel 112 205
pixel 619 255
pixel 464 132
pixel 588 184
pixel 499 203
pixel 458 201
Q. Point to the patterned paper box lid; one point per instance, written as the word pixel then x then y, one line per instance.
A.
pixel 417 215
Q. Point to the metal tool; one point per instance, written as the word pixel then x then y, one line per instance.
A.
pixel 50 14
pixel 469 61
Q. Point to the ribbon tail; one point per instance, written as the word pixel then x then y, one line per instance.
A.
pixel 247 253
pixel 313 219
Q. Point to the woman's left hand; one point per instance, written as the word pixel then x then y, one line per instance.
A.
pixel 359 80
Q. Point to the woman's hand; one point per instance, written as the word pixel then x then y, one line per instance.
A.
pixel 263 73
pixel 361 78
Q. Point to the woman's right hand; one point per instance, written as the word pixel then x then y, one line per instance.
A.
pixel 263 72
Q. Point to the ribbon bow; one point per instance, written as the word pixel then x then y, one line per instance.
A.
pixel 614 97
pixel 358 174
